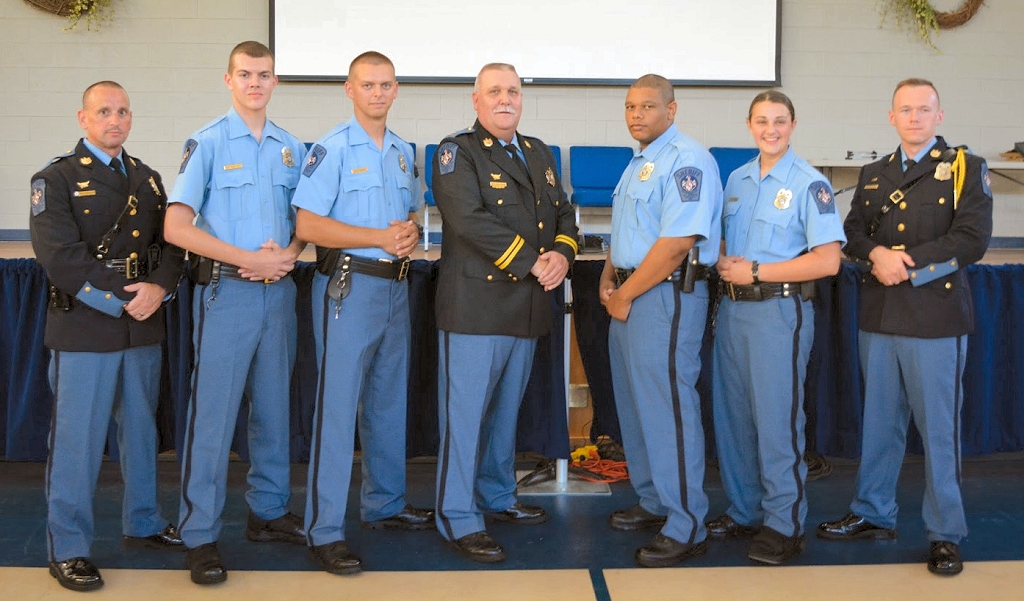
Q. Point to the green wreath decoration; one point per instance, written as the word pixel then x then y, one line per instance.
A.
pixel 920 17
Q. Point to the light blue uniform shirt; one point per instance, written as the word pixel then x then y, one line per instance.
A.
pixel 347 178
pixel 670 189
pixel 778 218
pixel 240 188
pixel 104 157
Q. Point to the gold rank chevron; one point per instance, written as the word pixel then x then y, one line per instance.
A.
pixel 513 249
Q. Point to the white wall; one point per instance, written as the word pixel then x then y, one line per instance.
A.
pixel 838 66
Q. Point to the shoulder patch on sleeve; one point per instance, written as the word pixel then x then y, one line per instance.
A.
pixel 446 157
pixel 986 180
pixel 822 195
pixel 688 179
pixel 316 156
pixel 38 196
pixel 190 145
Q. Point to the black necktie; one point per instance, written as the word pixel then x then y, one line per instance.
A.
pixel 512 150
pixel 115 164
pixel 908 165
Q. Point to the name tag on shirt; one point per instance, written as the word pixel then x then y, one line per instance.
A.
pixel 232 167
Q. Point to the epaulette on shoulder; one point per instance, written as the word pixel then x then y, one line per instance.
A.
pixel 211 124
pixel 461 132
pixel 59 158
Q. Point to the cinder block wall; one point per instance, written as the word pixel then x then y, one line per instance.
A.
pixel 838 65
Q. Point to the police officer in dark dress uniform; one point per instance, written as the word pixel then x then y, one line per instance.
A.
pixel 97 221
pixel 509 239
pixel 919 217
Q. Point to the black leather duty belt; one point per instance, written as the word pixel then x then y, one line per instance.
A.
pixel 701 273
pixel 765 291
pixel 379 268
pixel 227 270
pixel 133 268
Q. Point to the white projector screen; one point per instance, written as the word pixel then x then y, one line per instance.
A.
pixel 567 42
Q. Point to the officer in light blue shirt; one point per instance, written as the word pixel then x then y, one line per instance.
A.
pixel 666 231
pixel 356 200
pixel 238 175
pixel 782 232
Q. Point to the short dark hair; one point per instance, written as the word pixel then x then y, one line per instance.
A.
pixel 493 67
pixel 249 48
pixel 915 82
pixel 656 82
pixel 101 84
pixel 371 57
pixel 772 96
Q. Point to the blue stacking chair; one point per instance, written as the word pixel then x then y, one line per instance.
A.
pixel 731 159
pixel 594 171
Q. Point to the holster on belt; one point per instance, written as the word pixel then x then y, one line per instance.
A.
pixel 327 260
pixel 199 268
pixel 689 268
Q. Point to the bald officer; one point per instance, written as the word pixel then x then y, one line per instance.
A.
pixel 97 221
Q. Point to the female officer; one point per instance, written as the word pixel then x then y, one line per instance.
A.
pixel 781 232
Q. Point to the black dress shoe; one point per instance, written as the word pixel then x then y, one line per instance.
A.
pixel 852 527
pixel 336 558
pixel 285 529
pixel 944 558
pixel 77 574
pixel 165 540
pixel 726 527
pixel 409 518
pixel 771 547
pixel 479 546
pixel 205 564
pixel 521 514
pixel 635 518
pixel 664 551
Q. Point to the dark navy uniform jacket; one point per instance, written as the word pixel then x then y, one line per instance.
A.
pixel 497 222
pixel 941 230
pixel 75 201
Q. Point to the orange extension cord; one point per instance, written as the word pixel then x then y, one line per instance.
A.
pixel 604 470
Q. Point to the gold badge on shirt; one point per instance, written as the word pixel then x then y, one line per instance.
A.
pixel 287 158
pixel 646 171
pixel 526 143
pixel 934 153
pixel 943 171
pixel 83 185
pixel 488 142
pixel 401 162
pixel 782 199
pixel 85 161
pixel 549 175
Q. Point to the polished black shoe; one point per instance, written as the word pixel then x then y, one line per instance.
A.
pixel 77 574
pixel 165 540
pixel 635 518
pixel 852 527
pixel 479 546
pixel 336 558
pixel 944 558
pixel 664 551
pixel 205 564
pixel 520 514
pixel 773 548
pixel 409 518
pixel 285 529
pixel 726 527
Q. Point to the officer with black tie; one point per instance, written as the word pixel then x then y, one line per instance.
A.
pixel 96 226
pixel 919 217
